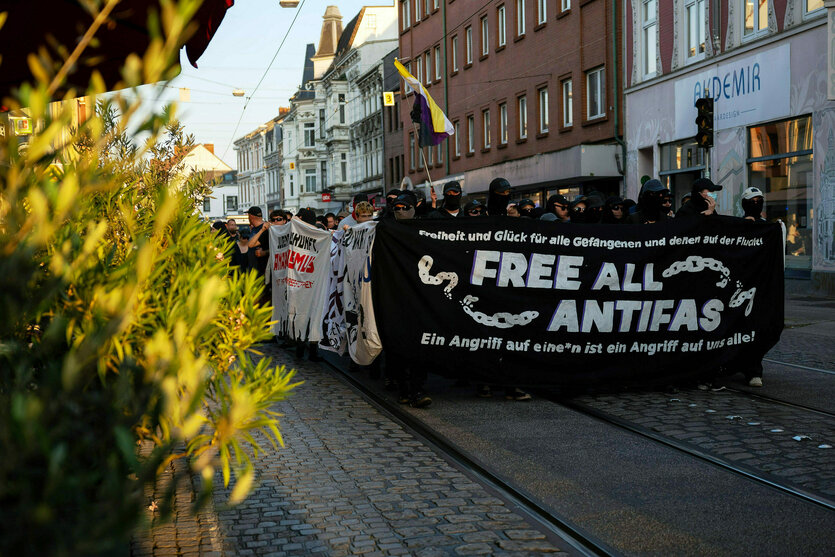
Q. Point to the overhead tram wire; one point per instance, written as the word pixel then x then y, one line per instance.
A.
pixel 249 98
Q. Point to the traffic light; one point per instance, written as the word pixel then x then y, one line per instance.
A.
pixel 704 123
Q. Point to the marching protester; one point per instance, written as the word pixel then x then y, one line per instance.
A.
pixel 475 208
pixel 526 209
pixel 667 204
pixel 422 208
pixel 259 246
pixel 451 204
pixel 650 204
pixel 498 197
pixel 751 366
pixel 387 212
pixel 702 200
pixel 330 221
pixel 587 209
pixel 308 216
pixel 558 206
pixel 613 211
pixel 238 261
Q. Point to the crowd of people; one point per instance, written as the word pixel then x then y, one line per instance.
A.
pixel 654 205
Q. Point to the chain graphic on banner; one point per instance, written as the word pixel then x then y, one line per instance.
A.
pixel 501 320
pixel 695 264
pixel 425 265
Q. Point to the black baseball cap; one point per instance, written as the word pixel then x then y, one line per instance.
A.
pixel 452 187
pixel 255 211
pixel 705 184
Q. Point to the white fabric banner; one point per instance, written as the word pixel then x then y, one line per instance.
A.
pixel 335 330
pixel 363 341
pixel 298 266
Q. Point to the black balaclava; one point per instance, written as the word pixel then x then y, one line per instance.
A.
pixel 422 208
pixel 651 205
pixel 452 202
pixel 753 207
pixel 307 215
pixel 498 197
pixel 526 207
pixel 608 217
pixel 594 207
pixel 387 213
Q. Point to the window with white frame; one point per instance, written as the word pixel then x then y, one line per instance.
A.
pixel 756 17
pixel 695 10
pixel 309 134
pixel 310 180
pixel 292 182
pixel 341 98
pixel 543 109
pixel 501 25
pixel 471 134
pixel 343 166
pixel 406 13
pixel 485 129
pixel 648 36
pixel 231 203
pixel 595 93
pixel 437 63
pixel 567 103
pixel 485 36
pixel 435 4
pixel 419 64
pixel 468 34
pixel 522 109
pixel 207 205
pixel 418 10
pixel 457 134
pixel 412 152
pixel 430 156
pixel 324 173
pixel 428 61
pixel 520 17
pixel 565 5
pixel 541 11
pixel 453 48
pixel 440 154
pixel 428 6
pixel 503 124
pixel 813 5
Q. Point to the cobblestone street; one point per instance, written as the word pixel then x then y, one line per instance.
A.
pixel 352 482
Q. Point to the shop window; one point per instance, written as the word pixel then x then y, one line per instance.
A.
pixel 780 164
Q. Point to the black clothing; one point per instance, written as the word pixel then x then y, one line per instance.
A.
pixel 694 207
pixel 260 263
pixel 640 217
pixel 496 202
pixel 441 213
pixel 238 259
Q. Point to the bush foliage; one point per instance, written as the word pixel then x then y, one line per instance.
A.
pixel 121 321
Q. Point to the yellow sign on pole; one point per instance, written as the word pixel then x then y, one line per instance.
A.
pixel 388 98
pixel 292 166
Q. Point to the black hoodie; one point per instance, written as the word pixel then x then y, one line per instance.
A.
pixel 497 204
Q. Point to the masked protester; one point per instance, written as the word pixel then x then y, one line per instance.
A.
pixel 391 196
pixel 751 365
pixel 451 205
pixel 650 204
pixel 498 197
pixel 629 207
pixel 422 208
pixel 594 207
pixel 702 202
pixel 558 205
pixel 404 207
pixel 667 204
pixel 475 208
pixel 578 209
pixel 613 211
pixel 525 208
pixel 753 203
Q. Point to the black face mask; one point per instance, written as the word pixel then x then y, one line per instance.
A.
pixel 753 207
pixel 651 205
pixel 452 202
pixel 526 212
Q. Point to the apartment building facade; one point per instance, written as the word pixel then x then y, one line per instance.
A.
pixel 764 63
pixel 531 87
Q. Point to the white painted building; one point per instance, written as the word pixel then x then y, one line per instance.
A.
pixel 201 158
pixel 251 171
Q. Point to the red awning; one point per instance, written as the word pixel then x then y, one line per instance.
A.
pixel 31 25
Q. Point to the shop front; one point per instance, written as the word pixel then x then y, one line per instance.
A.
pixel 774 129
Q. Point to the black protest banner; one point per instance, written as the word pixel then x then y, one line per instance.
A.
pixel 528 302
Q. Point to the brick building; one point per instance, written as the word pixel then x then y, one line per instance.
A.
pixel 764 63
pixel 528 85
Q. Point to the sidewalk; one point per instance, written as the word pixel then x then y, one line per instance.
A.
pixel 350 481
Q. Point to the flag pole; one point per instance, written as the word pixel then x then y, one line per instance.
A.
pixel 422 156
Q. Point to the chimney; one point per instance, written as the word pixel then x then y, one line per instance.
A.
pixel 210 147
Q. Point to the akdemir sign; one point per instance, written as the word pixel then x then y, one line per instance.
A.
pixel 745 91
